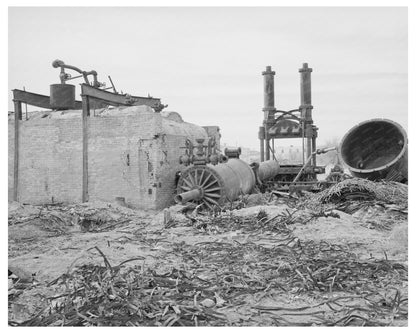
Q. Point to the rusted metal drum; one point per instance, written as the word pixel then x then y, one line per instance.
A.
pixel 62 96
pixel 376 149
pixel 215 185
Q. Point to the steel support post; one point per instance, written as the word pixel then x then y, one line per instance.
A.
pixel 17 119
pixel 85 116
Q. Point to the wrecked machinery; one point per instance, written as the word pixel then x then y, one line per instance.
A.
pixel 296 123
pixel 213 179
pixel 375 149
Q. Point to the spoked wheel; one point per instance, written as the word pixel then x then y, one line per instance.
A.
pixel 199 185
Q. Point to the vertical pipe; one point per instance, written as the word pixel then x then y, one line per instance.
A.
pixel 314 149
pixel 306 106
pixel 261 138
pixel 308 142
pixel 303 142
pixel 305 87
pixel 17 119
pixel 268 86
pixel 268 109
pixel 267 155
pixel 85 116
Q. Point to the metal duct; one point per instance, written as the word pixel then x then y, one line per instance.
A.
pixel 376 149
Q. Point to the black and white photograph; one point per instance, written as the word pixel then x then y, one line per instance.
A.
pixel 210 165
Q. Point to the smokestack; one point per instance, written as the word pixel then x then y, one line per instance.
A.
pixel 306 111
pixel 268 88
pixel 305 85
pixel 269 111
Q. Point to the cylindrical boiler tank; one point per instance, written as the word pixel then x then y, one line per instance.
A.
pixel 376 149
pixel 215 185
pixel 62 96
pixel 268 169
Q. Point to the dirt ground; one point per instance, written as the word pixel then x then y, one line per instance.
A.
pixel 270 264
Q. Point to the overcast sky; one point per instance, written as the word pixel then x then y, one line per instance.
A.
pixel 206 63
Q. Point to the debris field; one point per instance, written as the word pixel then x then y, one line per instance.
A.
pixel 333 258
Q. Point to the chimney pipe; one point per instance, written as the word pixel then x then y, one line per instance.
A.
pixel 268 88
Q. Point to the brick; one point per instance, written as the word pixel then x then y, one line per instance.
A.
pixel 134 155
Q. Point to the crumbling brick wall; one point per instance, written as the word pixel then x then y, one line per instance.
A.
pixel 132 153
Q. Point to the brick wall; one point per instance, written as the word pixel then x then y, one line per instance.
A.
pixel 133 154
pixel 50 160
pixel 121 157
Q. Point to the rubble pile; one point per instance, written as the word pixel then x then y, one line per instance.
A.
pixel 91 217
pixel 363 189
pixel 352 195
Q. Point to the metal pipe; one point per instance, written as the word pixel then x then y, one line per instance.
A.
pixel 268 109
pixel 305 87
pixel 306 106
pixel 267 149
pixel 268 75
pixel 184 197
pixel 261 137
pixel 312 155
pixel 308 143
pixel 268 169
pixel 65 77
pixel 112 84
pixel 314 149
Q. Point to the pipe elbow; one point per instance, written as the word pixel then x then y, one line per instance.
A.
pixel 57 63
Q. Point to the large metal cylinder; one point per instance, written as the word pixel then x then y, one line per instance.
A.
pixel 376 149
pixel 268 169
pixel 62 96
pixel 217 184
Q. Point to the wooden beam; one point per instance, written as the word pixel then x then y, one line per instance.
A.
pixel 17 119
pixel 85 116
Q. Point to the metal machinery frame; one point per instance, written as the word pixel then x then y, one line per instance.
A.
pixel 297 123
pixel 62 97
